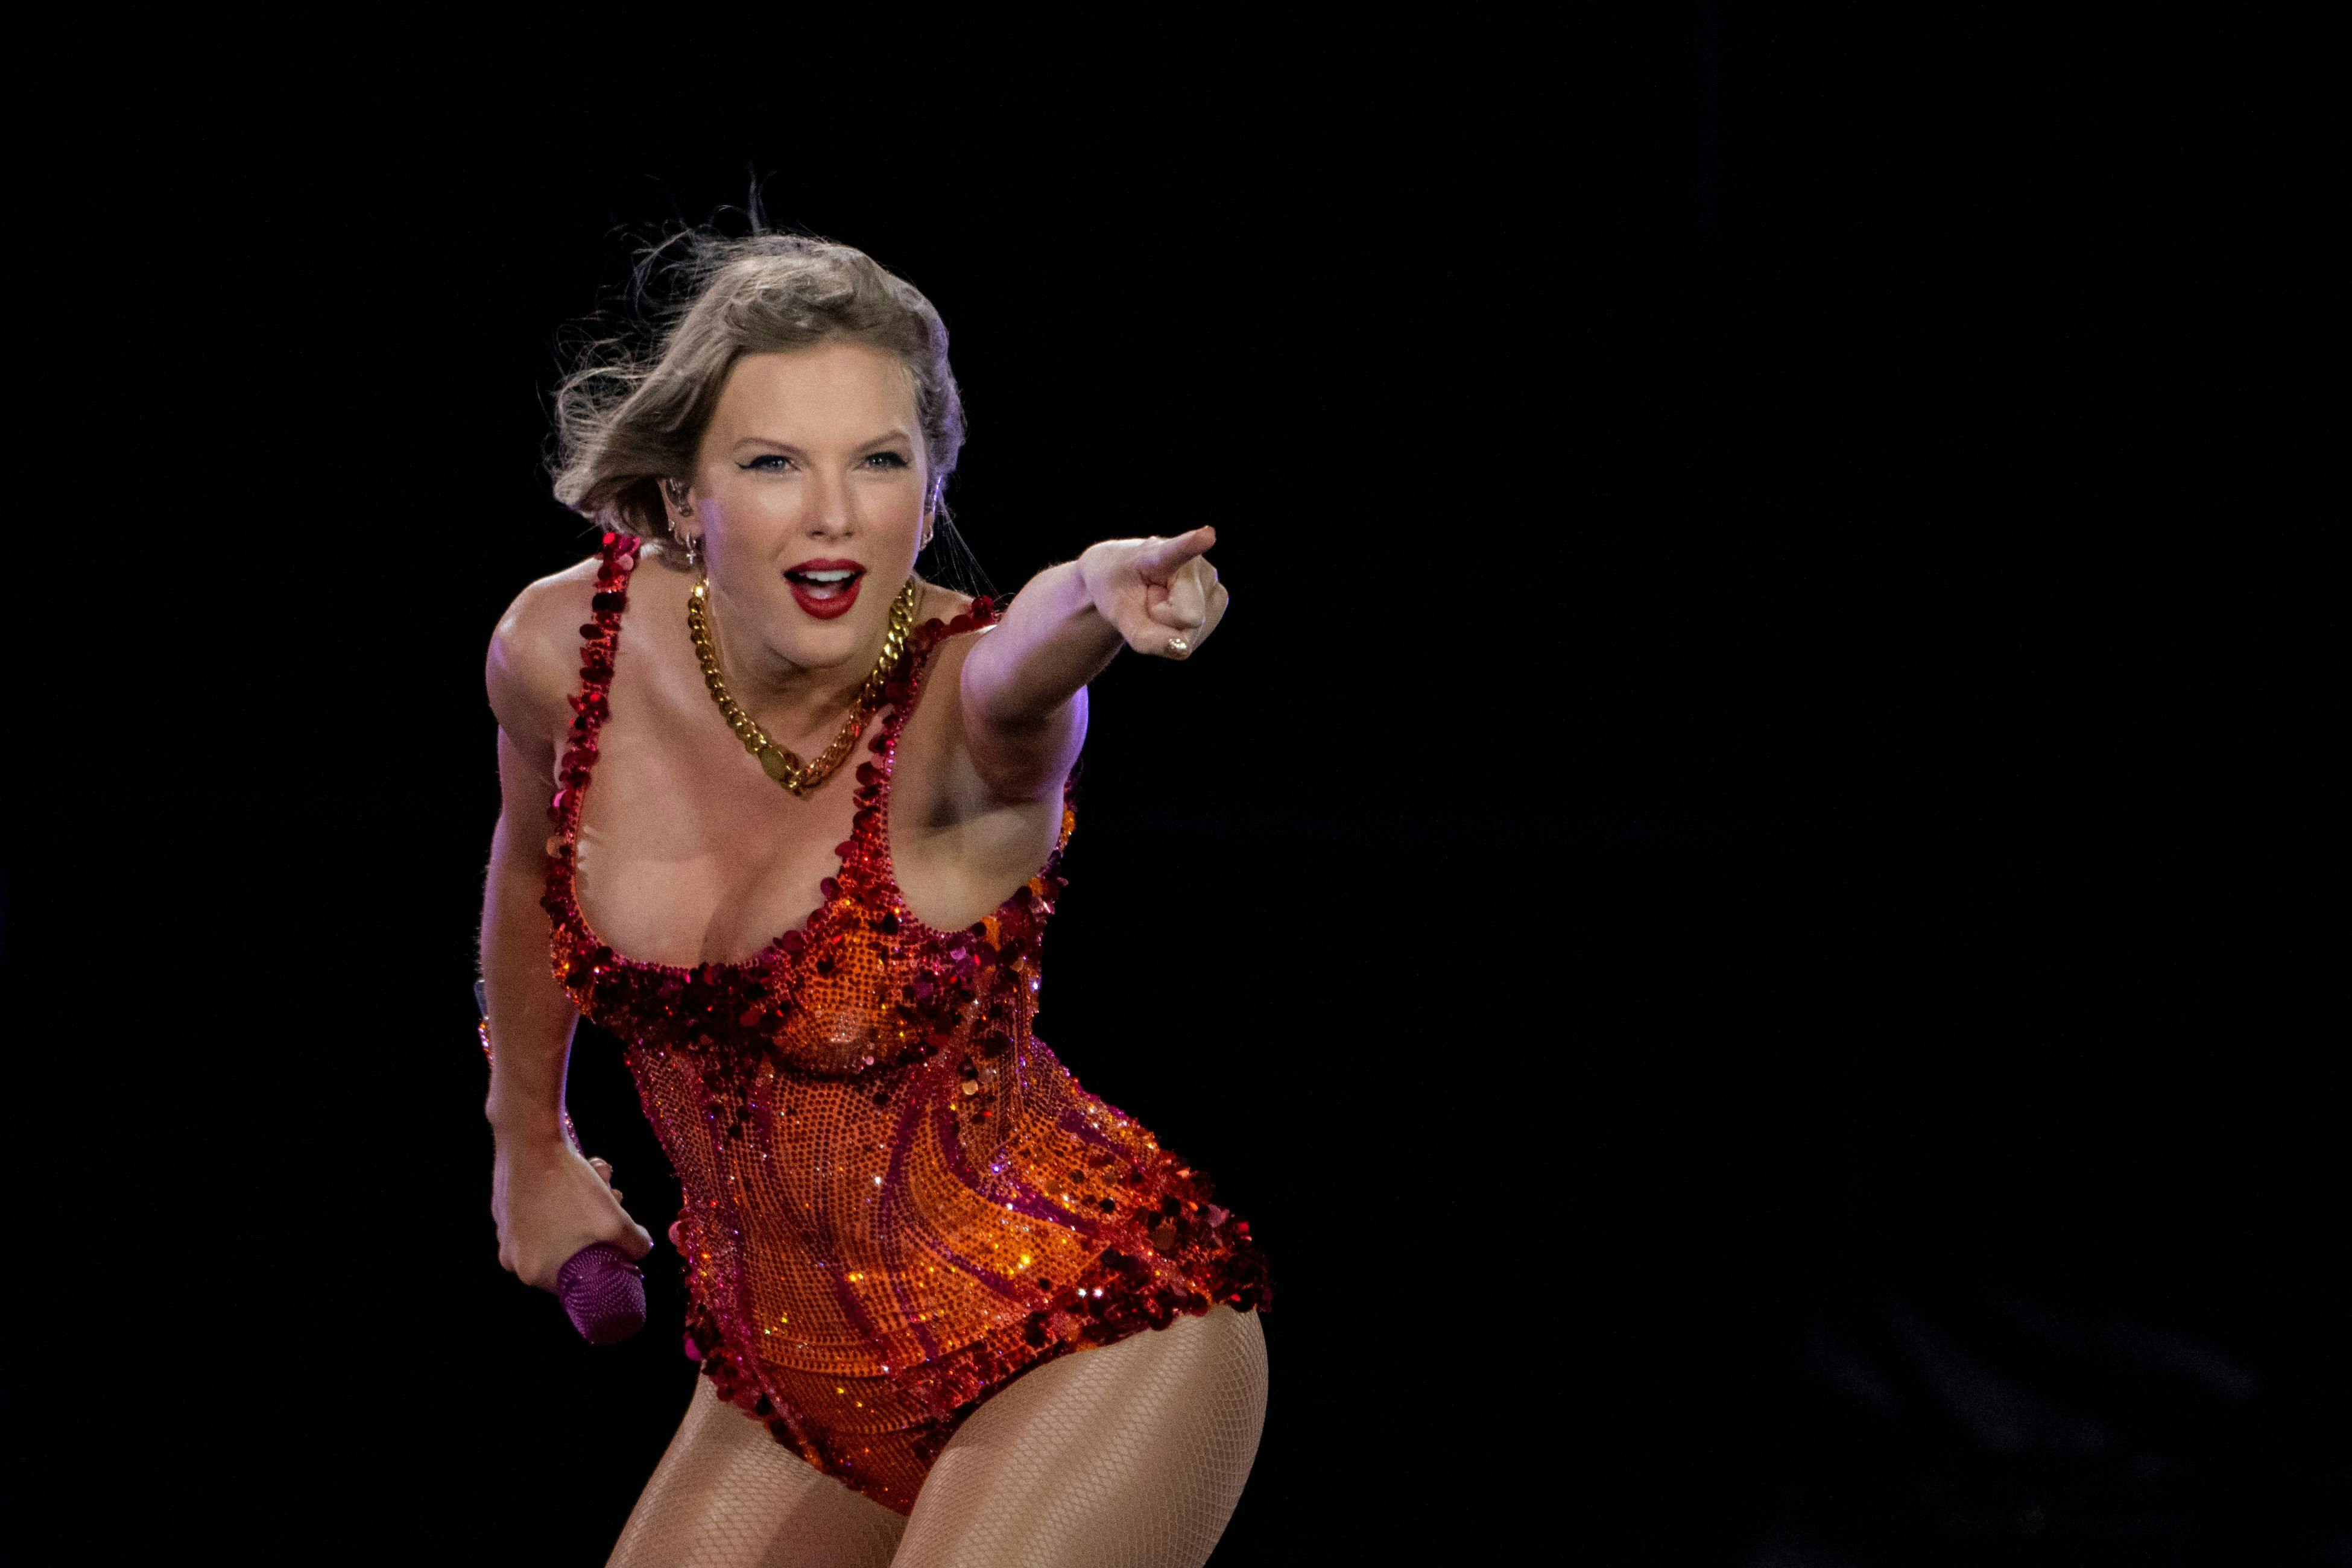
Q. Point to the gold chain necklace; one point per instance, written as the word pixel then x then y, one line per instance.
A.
pixel 779 764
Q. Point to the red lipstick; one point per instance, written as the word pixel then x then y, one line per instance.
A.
pixel 826 589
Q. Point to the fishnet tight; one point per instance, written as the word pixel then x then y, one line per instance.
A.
pixel 1131 1456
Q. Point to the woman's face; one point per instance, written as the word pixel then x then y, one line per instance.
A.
pixel 809 490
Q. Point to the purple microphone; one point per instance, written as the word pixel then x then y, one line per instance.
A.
pixel 600 1287
pixel 603 1293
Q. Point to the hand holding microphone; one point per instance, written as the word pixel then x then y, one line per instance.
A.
pixel 600 1287
pixel 545 1196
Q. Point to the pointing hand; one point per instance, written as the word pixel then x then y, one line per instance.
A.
pixel 1162 595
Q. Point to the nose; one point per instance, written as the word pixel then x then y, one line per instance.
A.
pixel 830 514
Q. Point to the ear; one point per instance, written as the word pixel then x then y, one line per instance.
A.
pixel 677 504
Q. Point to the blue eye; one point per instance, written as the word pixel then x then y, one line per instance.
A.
pixel 777 462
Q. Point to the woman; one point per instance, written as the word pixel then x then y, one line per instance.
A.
pixel 903 1217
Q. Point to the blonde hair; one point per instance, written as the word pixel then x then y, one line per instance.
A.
pixel 627 417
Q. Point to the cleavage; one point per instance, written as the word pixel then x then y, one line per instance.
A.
pixel 688 852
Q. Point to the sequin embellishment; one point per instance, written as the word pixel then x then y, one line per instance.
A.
pixel 896 1196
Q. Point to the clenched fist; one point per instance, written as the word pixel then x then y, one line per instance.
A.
pixel 549 1202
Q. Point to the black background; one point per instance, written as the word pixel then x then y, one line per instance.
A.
pixel 1740 899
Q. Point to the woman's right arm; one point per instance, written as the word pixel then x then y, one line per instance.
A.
pixel 548 1200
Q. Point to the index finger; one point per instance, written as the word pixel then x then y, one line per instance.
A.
pixel 1155 560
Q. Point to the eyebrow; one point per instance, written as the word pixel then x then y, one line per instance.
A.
pixel 788 447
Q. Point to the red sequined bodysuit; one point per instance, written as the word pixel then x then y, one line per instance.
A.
pixel 896 1198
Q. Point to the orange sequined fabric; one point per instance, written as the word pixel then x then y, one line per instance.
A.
pixel 896 1197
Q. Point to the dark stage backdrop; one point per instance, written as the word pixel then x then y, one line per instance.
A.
pixel 1739 900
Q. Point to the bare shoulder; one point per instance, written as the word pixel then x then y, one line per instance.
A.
pixel 534 651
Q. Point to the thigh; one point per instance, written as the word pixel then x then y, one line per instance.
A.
pixel 1132 1454
pixel 728 1495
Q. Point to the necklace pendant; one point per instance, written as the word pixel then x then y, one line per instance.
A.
pixel 777 764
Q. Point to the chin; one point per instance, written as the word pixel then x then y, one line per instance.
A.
pixel 821 645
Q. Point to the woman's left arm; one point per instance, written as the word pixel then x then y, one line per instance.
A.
pixel 1025 682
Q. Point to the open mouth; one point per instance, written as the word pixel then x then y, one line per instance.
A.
pixel 826 589
pixel 826 584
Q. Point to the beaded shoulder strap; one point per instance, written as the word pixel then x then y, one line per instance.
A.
pixel 600 635
pixel 899 696
pixel 906 684
pixel 914 672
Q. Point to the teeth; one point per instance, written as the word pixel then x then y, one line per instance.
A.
pixel 828 577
